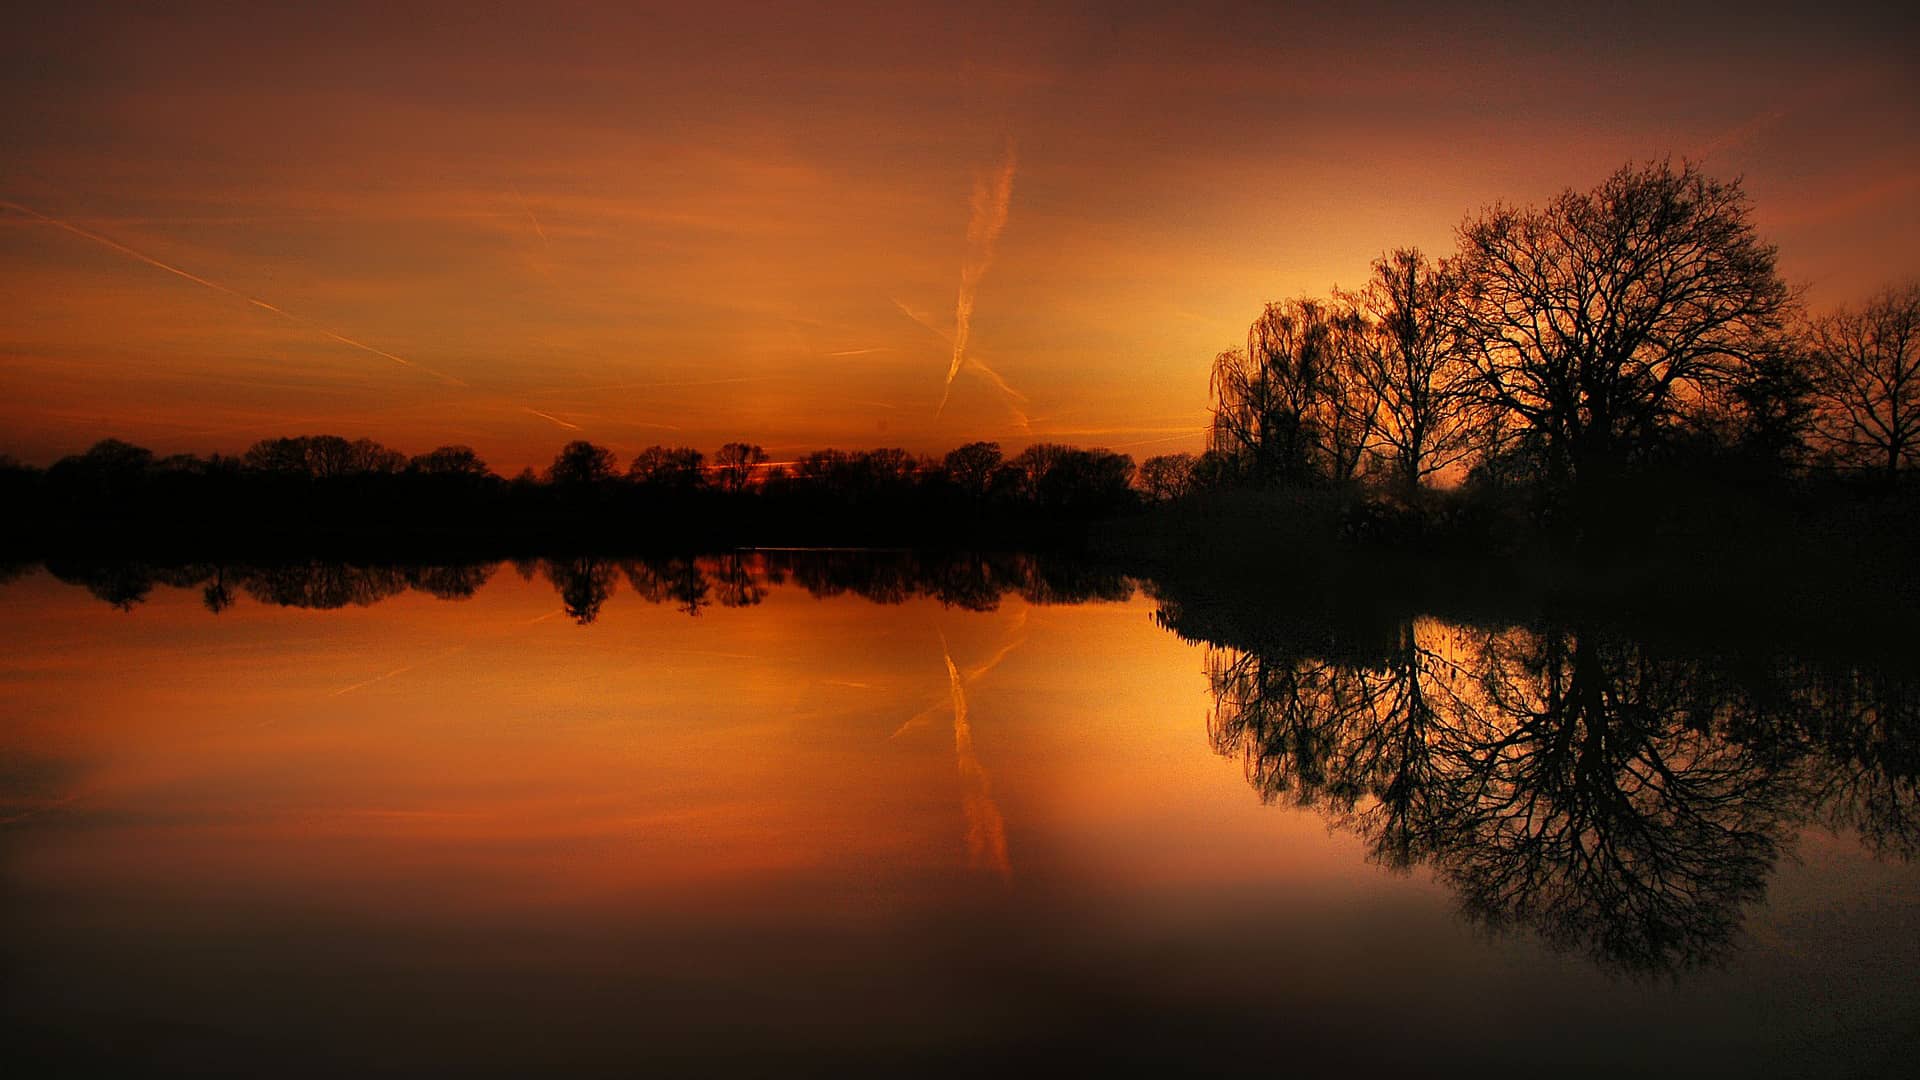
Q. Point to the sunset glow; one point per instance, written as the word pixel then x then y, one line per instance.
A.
pixel 507 231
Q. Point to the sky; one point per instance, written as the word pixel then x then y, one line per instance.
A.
pixel 830 225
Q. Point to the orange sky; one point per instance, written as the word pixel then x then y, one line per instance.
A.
pixel 689 228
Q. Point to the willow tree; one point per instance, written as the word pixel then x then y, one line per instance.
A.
pixel 1596 322
pixel 1288 407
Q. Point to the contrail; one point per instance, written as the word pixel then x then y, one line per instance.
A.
pixel 992 194
pixel 550 416
pixel 1016 638
pixel 217 287
pixel 986 829
pixel 860 352
pixel 1014 398
pixel 529 209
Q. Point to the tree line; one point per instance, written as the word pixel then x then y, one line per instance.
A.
pixel 1567 349
pixel 326 485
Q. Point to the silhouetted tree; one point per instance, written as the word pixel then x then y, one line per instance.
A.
pixel 735 463
pixel 970 467
pixel 450 461
pixel 1411 358
pixel 1867 376
pixel 1166 476
pixel 675 469
pixel 1289 408
pixel 581 464
pixel 1050 476
pixel 1594 321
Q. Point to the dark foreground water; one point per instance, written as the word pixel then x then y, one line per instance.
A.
pixel 796 813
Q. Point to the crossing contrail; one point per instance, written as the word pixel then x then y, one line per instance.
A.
pixel 1014 398
pixel 217 287
pixel 992 194
pixel 986 829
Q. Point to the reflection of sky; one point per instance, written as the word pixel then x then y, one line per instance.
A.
pixel 693 228
pixel 477 829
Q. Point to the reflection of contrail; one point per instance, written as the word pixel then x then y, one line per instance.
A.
pixel 992 193
pixel 398 671
pixel 217 287
pixel 550 416
pixel 986 829
pixel 1015 638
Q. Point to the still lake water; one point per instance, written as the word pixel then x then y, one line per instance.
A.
pixel 816 813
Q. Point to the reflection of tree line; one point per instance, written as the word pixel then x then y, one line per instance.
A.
pixel 1618 801
pixel 586 583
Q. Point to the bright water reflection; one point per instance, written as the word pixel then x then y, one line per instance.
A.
pixel 844 810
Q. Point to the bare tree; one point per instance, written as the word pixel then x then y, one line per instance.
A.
pixel 1412 359
pixel 1166 476
pixel 736 462
pixel 1867 380
pixel 1595 320
pixel 676 468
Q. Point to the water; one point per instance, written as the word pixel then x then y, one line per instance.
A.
pixel 817 813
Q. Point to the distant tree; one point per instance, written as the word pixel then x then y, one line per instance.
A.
pixel 1412 360
pixel 114 456
pixel 735 463
pixel 322 457
pixel 460 461
pixel 368 456
pixel 111 470
pixel 970 467
pixel 1867 381
pixel 1054 477
pixel 676 468
pixel 581 464
pixel 1167 476
pixel 1598 319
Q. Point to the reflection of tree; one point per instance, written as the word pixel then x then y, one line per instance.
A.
pixel 324 585
pixel 970 581
pixel 217 595
pixel 584 584
pixel 661 581
pixel 1617 802
pixel 450 582
pixel 1865 769
pixel 1600 810
pixel 738 582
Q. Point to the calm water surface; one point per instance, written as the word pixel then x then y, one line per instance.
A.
pixel 773 814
